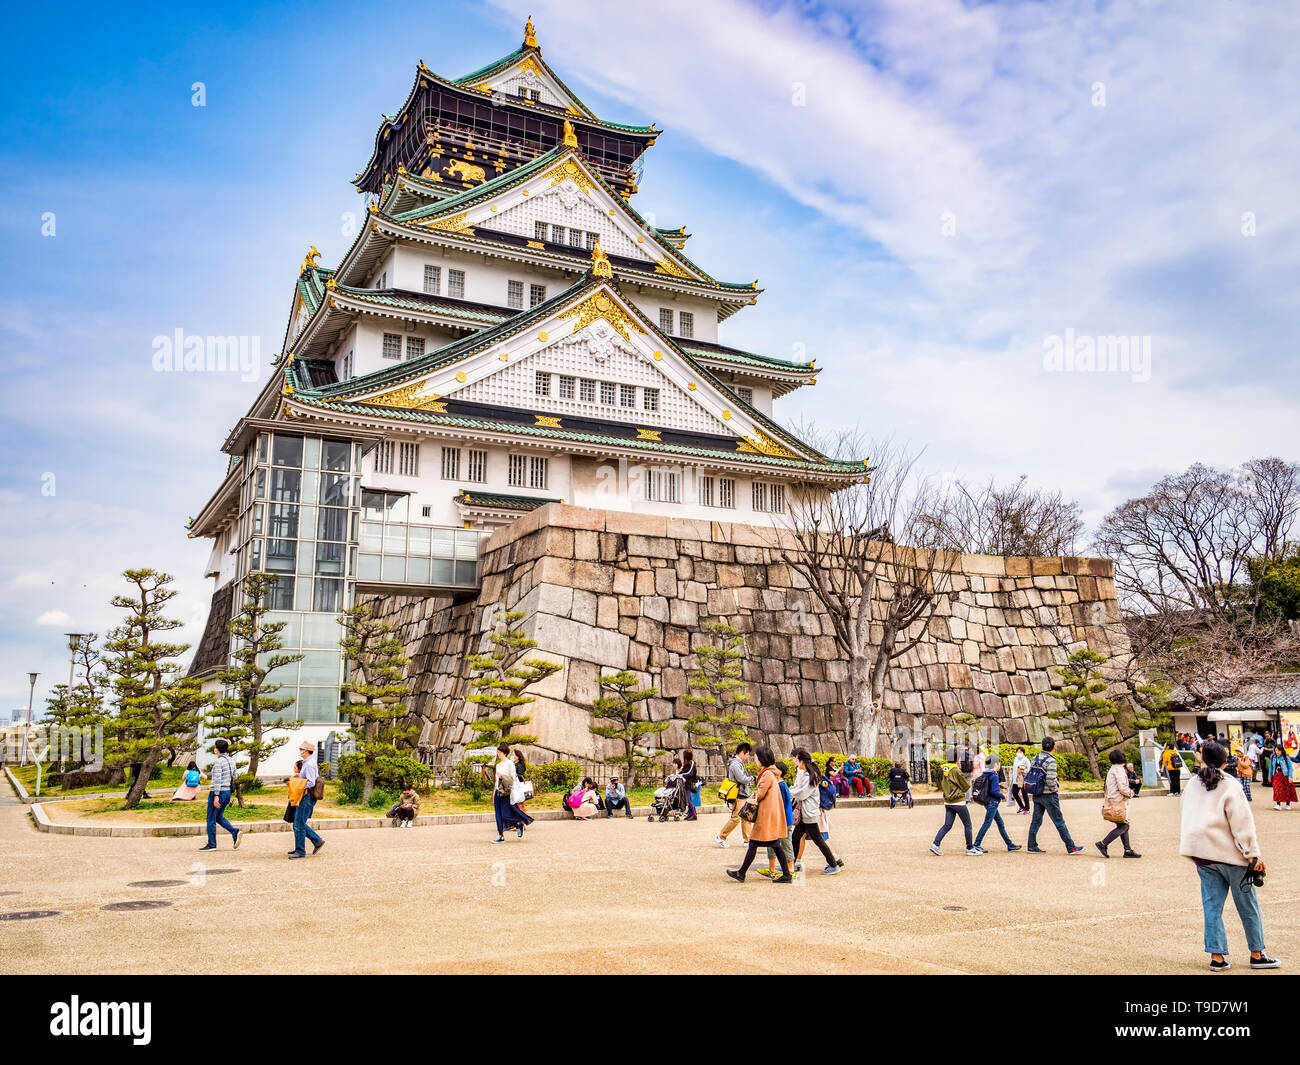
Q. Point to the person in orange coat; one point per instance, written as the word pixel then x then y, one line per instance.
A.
pixel 769 826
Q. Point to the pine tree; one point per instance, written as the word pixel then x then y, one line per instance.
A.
pixel 1084 713
pixel 377 684
pixel 717 690
pixel 80 711
pixel 240 717
pixel 619 707
pixel 155 707
pixel 500 677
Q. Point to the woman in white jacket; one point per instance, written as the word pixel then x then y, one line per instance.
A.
pixel 1218 834
pixel 806 795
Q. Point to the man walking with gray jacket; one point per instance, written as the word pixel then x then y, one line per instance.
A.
pixel 1048 801
pixel 736 772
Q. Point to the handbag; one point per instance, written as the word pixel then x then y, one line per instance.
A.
pixel 521 791
pixel 1115 810
pixel 749 812
pixel 288 814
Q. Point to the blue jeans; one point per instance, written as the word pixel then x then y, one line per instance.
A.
pixel 1217 879
pixel 1051 802
pixel 301 830
pixel 217 816
pixel 992 817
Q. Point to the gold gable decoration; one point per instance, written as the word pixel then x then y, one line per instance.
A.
pixel 667 266
pixel 600 266
pixel 530 64
pixel 599 305
pixel 570 137
pixel 310 260
pixel 453 224
pixel 566 171
pixel 408 398
pixel 762 444
pixel 530 35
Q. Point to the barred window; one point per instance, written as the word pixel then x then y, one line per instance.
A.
pixel 685 324
pixel 384 454
pixel 558 234
pixel 650 399
pixel 592 240
pixel 666 319
pixel 408 460
pixel 747 394
pixel 727 492
pixel 414 347
pixel 538 470
pixel 662 486
pixel 575 238
pixel 627 395
pixel 769 498
pixel 707 491
pixel 456 284
pixel 566 386
pixel 536 95
pixel 587 390
pixel 477 463
pixel 607 393
pixel 392 345
pixel 540 231
pixel 542 383
pixel 518 471
pixel 346 372
pixel 382 280
pixel 451 464
pixel 536 294
pixel 433 279
pixel 515 295
pixel 759 490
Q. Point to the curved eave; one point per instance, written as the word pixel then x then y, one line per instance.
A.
pixel 577 443
pixel 221 509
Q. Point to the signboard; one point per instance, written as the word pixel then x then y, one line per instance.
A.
pixel 1289 733
pixel 1150 758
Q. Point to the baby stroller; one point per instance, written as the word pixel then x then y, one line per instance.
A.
pixel 671 800
pixel 900 788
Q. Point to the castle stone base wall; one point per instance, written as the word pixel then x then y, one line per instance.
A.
pixel 604 591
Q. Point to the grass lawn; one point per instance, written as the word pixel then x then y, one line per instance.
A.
pixel 169 778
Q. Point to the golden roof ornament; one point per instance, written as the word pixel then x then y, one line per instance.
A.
pixel 600 262
pixel 530 35
pixel 570 137
pixel 310 261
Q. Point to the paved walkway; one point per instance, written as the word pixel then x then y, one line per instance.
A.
pixel 620 896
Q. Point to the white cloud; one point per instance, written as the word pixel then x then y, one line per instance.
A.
pixel 52 617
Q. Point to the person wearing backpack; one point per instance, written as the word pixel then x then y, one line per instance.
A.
pixel 1172 763
pixel 742 781
pixel 807 792
pixel 954 786
pixel 1042 782
pixel 987 792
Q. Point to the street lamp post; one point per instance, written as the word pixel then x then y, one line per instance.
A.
pixel 74 645
pixel 27 731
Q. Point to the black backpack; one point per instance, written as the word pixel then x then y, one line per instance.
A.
pixel 980 792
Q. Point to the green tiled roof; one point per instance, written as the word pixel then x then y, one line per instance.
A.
pixel 723 354
pixel 501 502
pixel 411 302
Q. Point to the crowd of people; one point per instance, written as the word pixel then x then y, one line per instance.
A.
pixel 1217 830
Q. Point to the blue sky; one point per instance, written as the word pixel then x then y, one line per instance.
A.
pixel 927 190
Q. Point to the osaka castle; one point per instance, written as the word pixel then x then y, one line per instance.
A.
pixel 505 331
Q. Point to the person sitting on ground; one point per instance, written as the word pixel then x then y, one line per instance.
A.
pixel 583 800
pixel 836 777
pixel 189 788
pixel 1134 780
pixel 616 797
pixel 408 806
pixel 855 777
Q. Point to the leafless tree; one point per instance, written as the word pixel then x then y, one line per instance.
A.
pixel 1015 519
pixel 1187 544
pixel 870 556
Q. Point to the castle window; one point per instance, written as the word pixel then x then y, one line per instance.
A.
pixel 456 284
pixel 515 295
pixel 433 279
pixel 414 347
pixel 666 320
pixel 587 390
pixel 542 383
pixel 536 295
pixel 540 230
pixel 607 393
pixel 518 471
pixel 392 345
pixel 346 371
pixel 592 238
pixel 384 457
pixel 536 95
pixel 627 396
pixel 650 399
pixel 567 386
pixel 727 492
pixel 662 486
pixel 686 324
pixel 558 234
pixel 408 460
pixel 575 238
pixel 747 394
pixel 769 498
pixel 477 463
pixel 538 471
pixel 451 464
pixel 426 512
pixel 707 491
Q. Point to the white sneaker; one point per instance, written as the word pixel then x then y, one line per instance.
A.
pixel 720 841
pixel 1277 806
pixel 798 867
pixel 973 852
pixel 934 849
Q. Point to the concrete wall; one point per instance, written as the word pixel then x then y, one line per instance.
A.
pixel 604 591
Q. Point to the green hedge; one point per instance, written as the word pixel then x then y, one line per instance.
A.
pixel 467 773
pixel 546 776
pixel 391 774
pixel 1069 766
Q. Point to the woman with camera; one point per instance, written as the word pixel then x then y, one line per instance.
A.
pixel 1218 834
